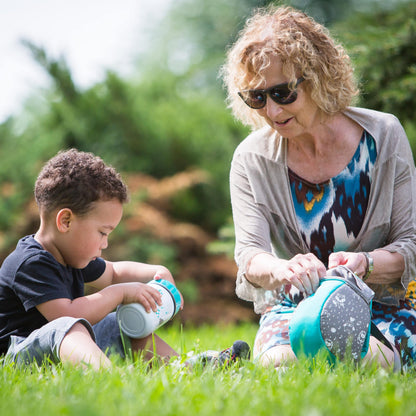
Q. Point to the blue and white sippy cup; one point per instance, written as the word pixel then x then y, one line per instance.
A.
pixel 135 322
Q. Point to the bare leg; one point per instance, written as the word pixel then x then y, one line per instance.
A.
pixel 378 352
pixel 78 347
pixel 277 356
pixel 160 347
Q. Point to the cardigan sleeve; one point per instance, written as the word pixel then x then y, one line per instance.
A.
pixel 402 235
pixel 391 213
pixel 252 232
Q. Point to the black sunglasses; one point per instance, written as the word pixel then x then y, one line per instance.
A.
pixel 280 94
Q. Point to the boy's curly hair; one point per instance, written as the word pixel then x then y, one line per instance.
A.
pixel 75 180
pixel 304 47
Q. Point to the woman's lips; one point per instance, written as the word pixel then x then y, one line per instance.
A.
pixel 283 123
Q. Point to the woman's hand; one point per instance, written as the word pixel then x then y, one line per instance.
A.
pixel 356 262
pixel 302 271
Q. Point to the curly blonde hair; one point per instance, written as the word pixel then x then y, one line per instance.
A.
pixel 305 49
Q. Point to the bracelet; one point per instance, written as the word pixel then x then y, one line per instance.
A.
pixel 369 266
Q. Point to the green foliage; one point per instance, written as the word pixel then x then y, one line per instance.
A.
pixel 149 250
pixel 329 12
pixel 225 242
pixel 383 48
pixel 172 116
pixel 189 290
pixel 192 39
pixel 325 11
pixel 156 125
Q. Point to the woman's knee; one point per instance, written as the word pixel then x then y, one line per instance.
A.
pixel 277 356
pixel 384 355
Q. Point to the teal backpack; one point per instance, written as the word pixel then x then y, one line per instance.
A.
pixel 335 319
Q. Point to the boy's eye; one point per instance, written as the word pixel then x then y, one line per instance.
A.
pixel 103 234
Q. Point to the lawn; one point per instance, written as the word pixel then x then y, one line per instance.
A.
pixel 306 388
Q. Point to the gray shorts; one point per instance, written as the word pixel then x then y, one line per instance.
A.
pixel 43 344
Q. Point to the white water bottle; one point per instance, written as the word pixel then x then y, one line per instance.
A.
pixel 135 322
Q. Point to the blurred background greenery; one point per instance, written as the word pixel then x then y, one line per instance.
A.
pixel 167 129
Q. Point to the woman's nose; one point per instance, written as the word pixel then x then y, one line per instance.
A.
pixel 272 109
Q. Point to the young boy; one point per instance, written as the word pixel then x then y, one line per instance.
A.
pixel 43 310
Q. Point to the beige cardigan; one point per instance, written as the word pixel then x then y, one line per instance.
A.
pixel 265 219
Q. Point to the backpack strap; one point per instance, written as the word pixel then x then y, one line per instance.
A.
pixel 375 332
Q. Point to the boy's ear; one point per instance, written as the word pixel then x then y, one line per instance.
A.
pixel 63 219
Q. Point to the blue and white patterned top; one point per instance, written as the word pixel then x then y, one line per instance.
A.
pixel 330 214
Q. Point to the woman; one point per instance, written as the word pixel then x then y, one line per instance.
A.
pixel 318 183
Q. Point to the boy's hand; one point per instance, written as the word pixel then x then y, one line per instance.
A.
pixel 142 293
pixel 163 273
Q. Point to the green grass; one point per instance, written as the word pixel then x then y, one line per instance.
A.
pixel 305 388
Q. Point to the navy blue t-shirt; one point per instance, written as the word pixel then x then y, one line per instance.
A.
pixel 30 276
